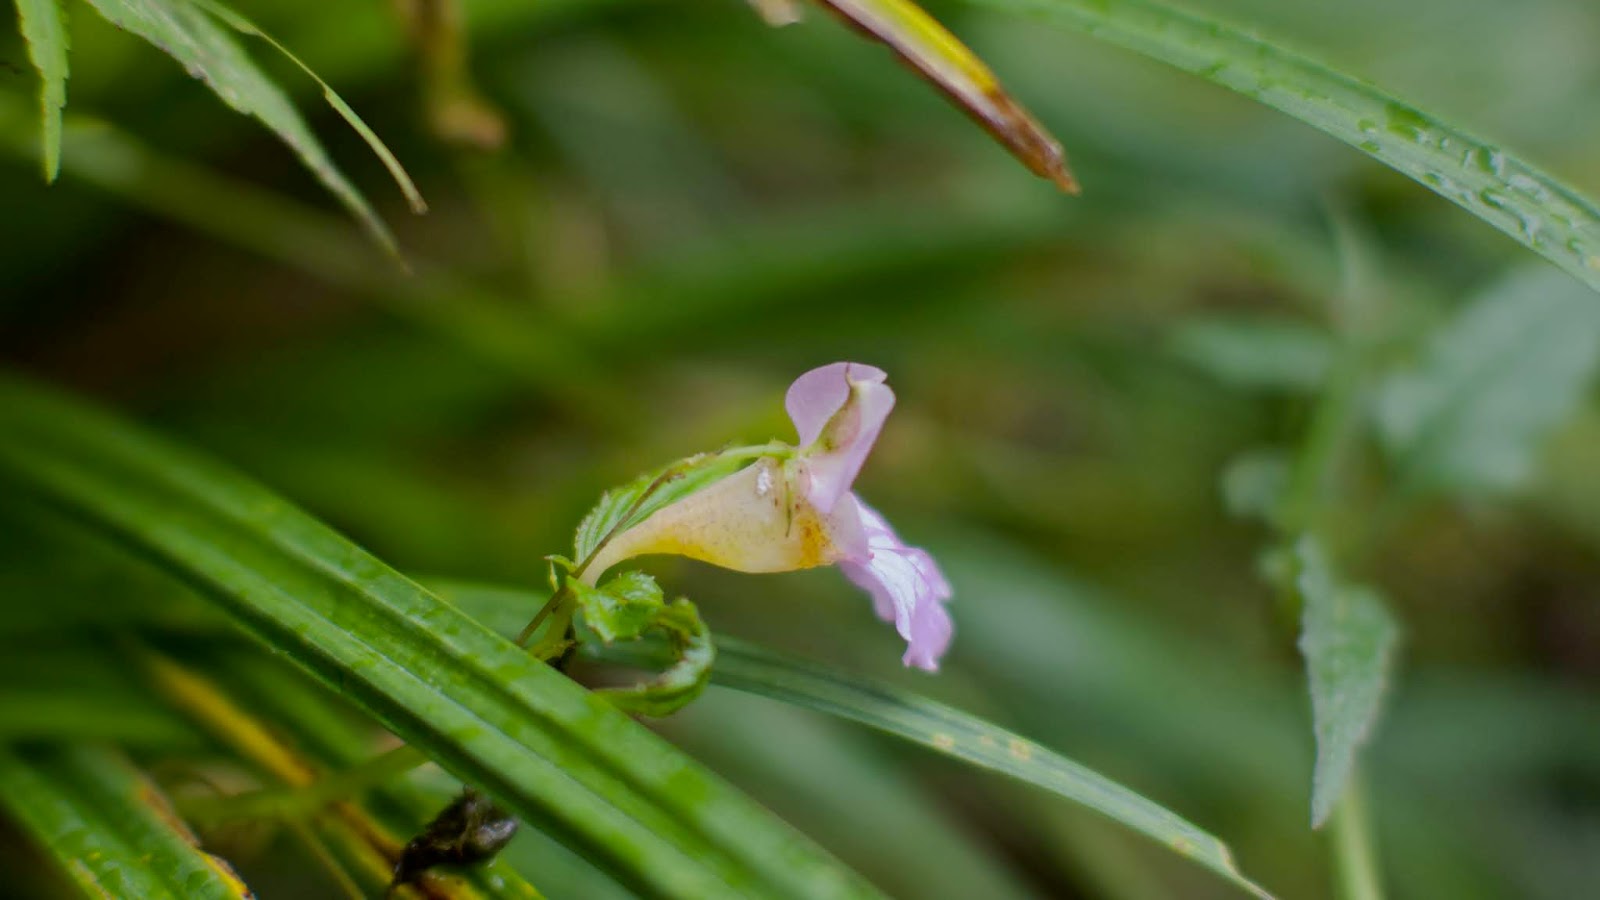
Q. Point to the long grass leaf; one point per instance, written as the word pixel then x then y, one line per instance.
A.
pixel 470 699
pixel 941 58
pixel 747 667
pixel 954 733
pixel 108 827
pixel 1514 196
pixel 396 171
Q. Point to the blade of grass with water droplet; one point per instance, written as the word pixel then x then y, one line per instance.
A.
pixel 1538 210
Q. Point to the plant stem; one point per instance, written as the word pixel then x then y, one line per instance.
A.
pixel 1355 854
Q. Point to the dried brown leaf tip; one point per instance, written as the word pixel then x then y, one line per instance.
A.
pixel 940 57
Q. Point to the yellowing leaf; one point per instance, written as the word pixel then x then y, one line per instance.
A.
pixel 941 58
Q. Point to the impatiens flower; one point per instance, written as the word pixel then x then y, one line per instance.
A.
pixel 795 510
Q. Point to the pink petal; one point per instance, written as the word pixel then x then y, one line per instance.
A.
pixel 814 397
pixel 838 410
pixel 907 588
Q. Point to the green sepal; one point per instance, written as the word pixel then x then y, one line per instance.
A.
pixel 681 682
pixel 624 507
pixel 621 608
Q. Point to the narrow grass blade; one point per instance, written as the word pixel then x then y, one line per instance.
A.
pixel 487 712
pixel 1536 209
pixel 45 30
pixel 108 827
pixel 750 668
pixel 965 737
pixel 189 34
pixel 379 148
pixel 943 60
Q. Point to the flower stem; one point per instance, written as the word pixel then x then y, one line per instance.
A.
pixel 1355 854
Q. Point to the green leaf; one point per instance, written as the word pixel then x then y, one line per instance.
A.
pixel 1260 354
pixel 374 143
pixel 622 508
pixel 1255 482
pixel 940 57
pixel 746 667
pixel 620 609
pixel 553 753
pixel 45 30
pixel 1492 384
pixel 108 827
pixel 1348 639
pixel 190 35
pixel 1539 211
pixel 693 653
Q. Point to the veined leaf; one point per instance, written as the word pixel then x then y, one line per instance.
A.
pixel 45 29
pixel 189 34
pixel 1539 211
pixel 942 59
pixel 110 829
pixel 1492 384
pixel 747 667
pixel 1348 639
pixel 489 713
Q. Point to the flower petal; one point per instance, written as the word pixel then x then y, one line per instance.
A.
pixel 907 588
pixel 814 397
pixel 838 410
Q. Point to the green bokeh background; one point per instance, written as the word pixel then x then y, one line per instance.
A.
pixel 693 208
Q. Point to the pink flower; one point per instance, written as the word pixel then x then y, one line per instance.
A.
pixel 795 510
pixel 839 410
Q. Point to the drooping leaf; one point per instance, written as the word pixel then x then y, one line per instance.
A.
pixel 942 59
pixel 108 827
pixel 379 149
pixel 45 29
pixel 487 712
pixel 1492 384
pixel 1539 211
pixel 746 667
pixel 1348 639
pixel 750 668
pixel 189 34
